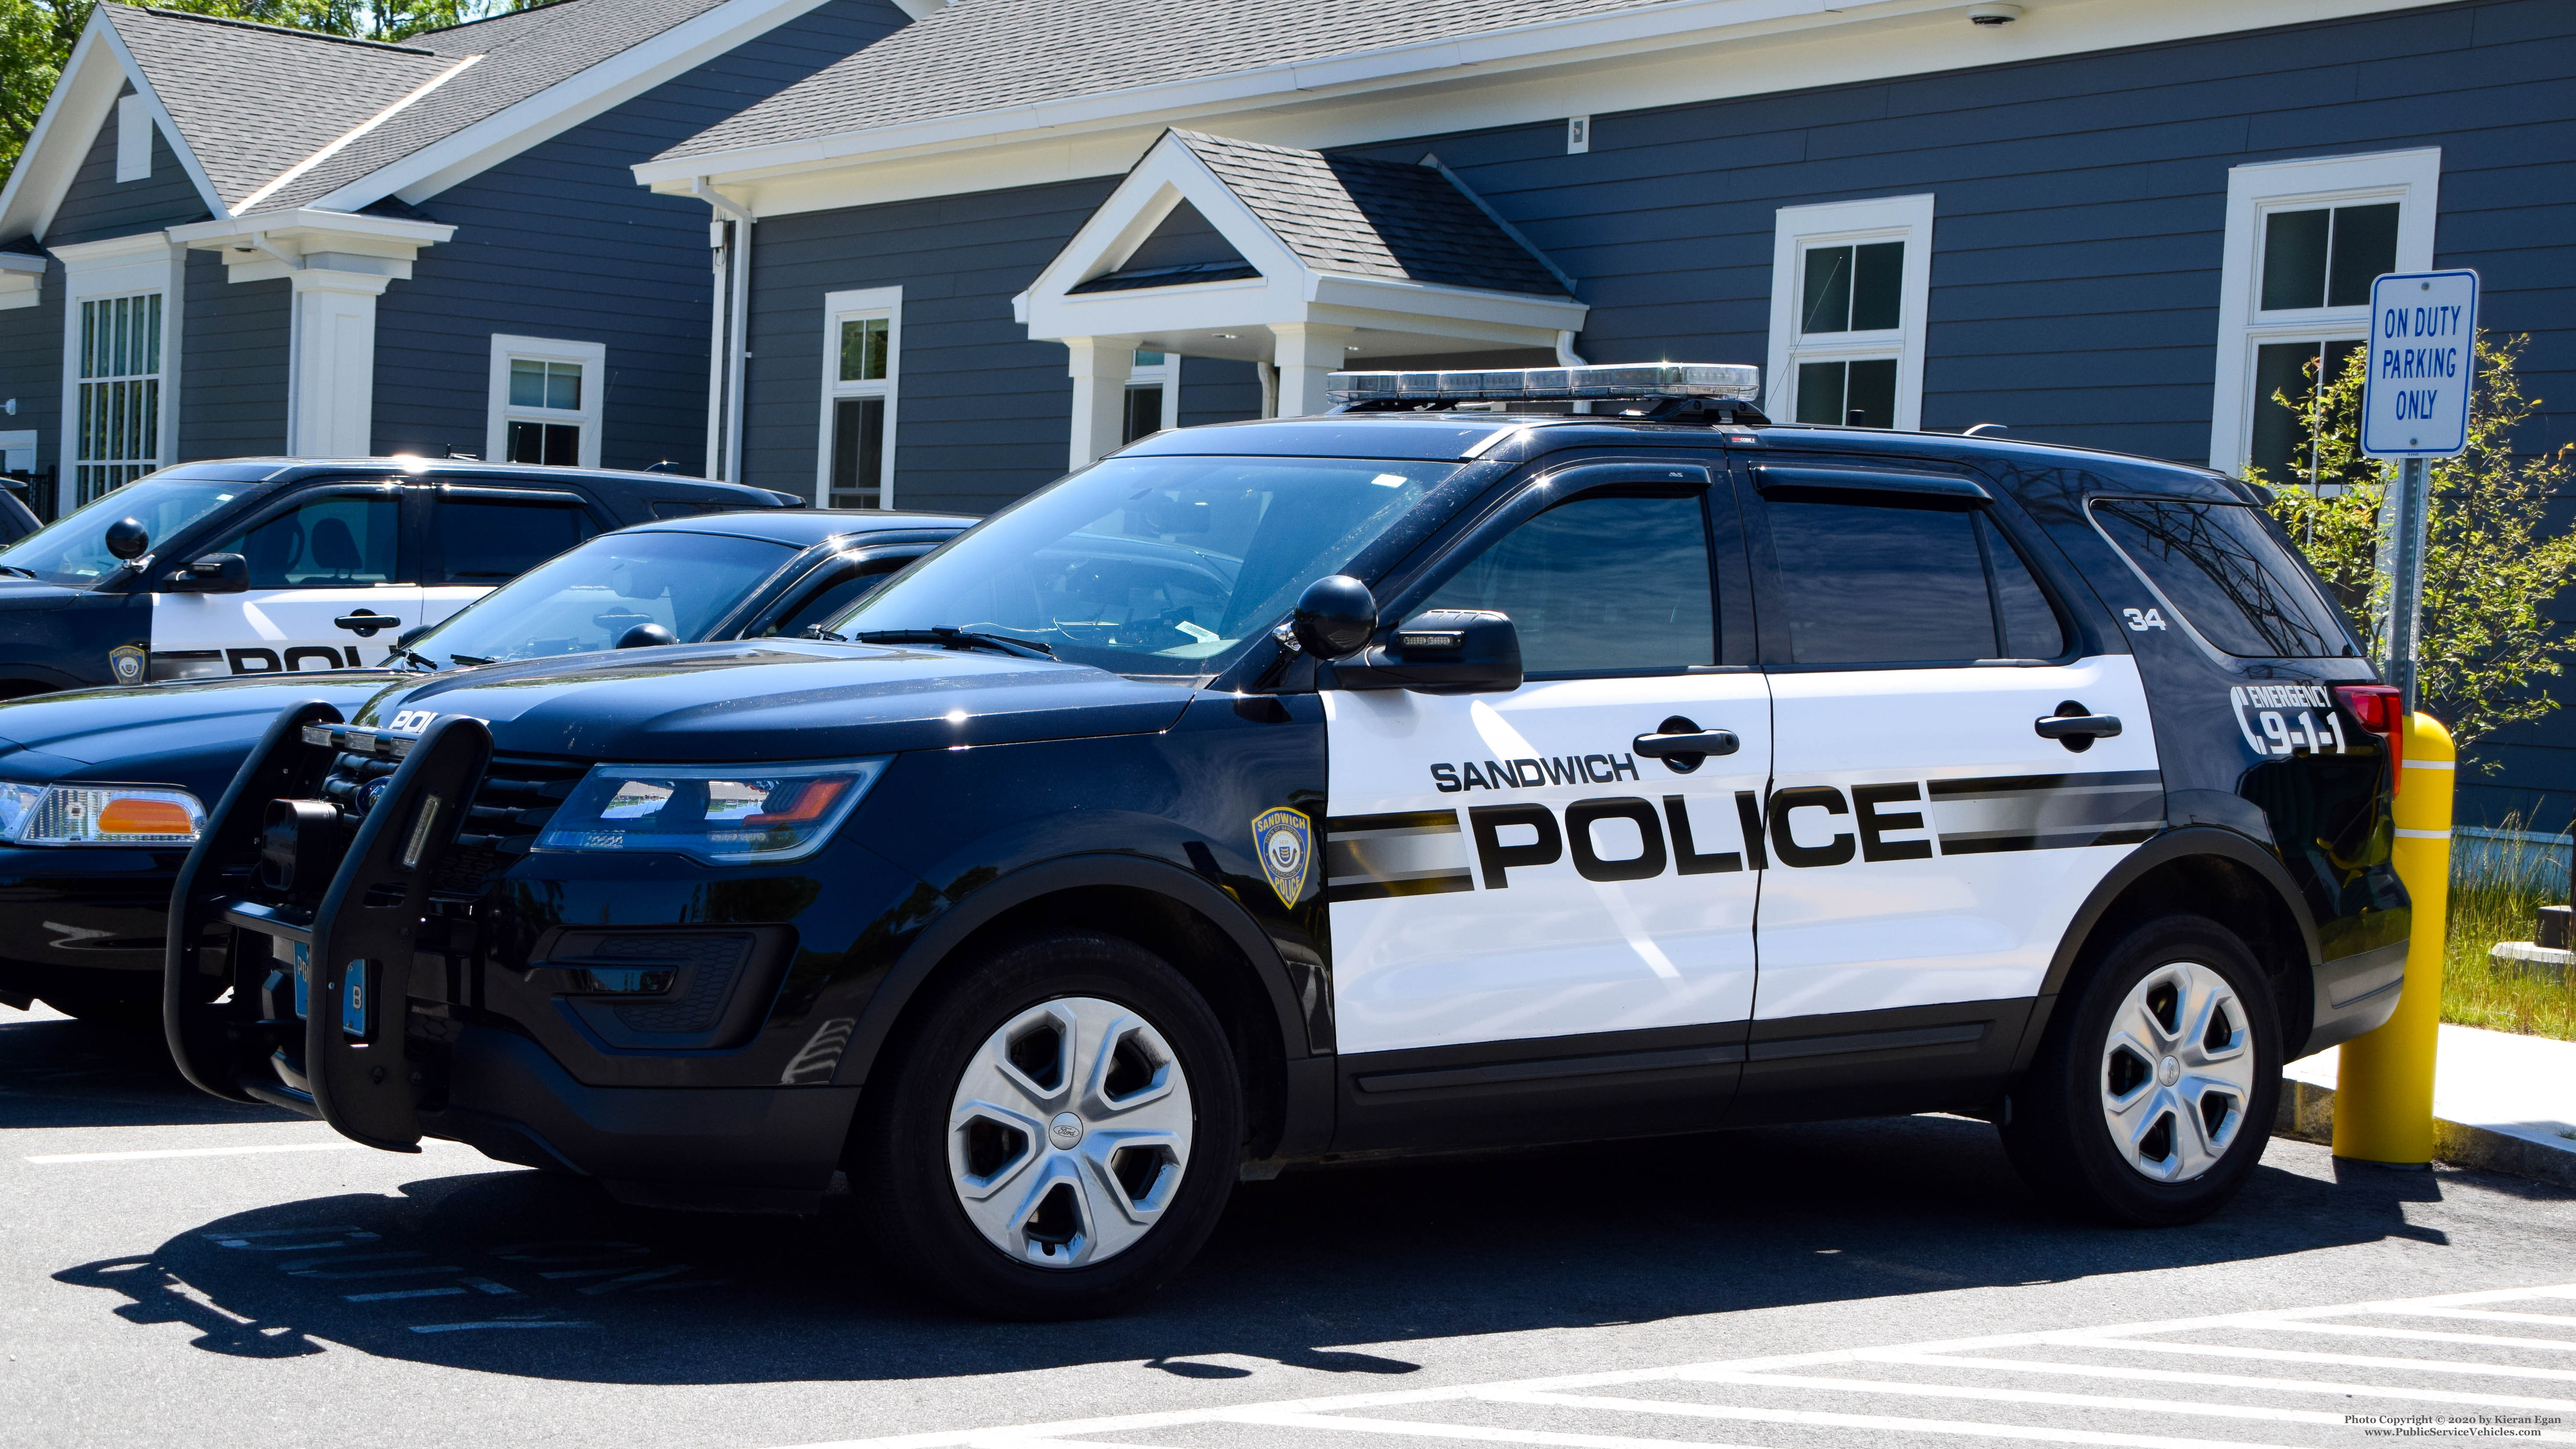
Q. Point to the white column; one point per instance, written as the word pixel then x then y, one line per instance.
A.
pixel 1099 367
pixel 1307 353
pixel 333 402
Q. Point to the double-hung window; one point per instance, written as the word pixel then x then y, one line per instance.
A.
pixel 546 401
pixel 1153 394
pixel 1850 282
pixel 862 355
pixel 119 428
pixel 2304 240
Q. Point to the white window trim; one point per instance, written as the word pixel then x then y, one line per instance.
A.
pixel 118 266
pixel 497 412
pixel 859 304
pixel 1167 376
pixel 2413 179
pixel 1887 218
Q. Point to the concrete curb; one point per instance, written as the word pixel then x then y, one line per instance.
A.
pixel 2307 1113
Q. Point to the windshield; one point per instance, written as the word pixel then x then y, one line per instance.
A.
pixel 589 597
pixel 72 550
pixel 1154 565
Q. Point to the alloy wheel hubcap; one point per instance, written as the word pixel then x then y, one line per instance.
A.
pixel 2177 1072
pixel 1069 1132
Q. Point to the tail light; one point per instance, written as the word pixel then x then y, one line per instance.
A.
pixel 2381 709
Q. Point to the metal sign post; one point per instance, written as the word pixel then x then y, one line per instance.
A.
pixel 2415 407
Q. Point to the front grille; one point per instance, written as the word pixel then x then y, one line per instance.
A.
pixel 518 795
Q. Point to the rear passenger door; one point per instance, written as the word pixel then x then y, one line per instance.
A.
pixel 1928 846
pixel 481 537
pixel 331 586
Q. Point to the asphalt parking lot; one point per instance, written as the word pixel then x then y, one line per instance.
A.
pixel 177 1270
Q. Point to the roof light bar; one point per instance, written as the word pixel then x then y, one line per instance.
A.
pixel 1735 380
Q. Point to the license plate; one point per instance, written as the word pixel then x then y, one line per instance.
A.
pixel 302 957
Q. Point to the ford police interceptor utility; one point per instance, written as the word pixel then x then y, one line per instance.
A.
pixel 278 565
pixel 102 791
pixel 1456 769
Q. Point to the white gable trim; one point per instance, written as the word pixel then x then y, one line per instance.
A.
pixel 83 99
pixel 567 103
pixel 1681 52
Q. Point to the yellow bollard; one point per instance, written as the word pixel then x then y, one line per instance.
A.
pixel 2383 1103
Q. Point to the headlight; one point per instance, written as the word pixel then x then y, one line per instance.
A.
pixel 99 815
pixel 721 814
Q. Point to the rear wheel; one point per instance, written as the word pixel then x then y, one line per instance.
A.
pixel 1057 1135
pixel 2152 1096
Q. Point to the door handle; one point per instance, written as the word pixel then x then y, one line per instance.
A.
pixel 365 625
pixel 2075 727
pixel 1682 744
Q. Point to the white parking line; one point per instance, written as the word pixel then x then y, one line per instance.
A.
pixel 1812 1376
pixel 50 1159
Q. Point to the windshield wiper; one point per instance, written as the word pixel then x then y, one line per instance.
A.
pixel 947 638
pixel 465 659
pixel 416 657
pixel 22 573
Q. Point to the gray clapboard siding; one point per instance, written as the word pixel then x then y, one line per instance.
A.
pixel 31 371
pixel 233 366
pixel 98 206
pixel 981 413
pixel 559 242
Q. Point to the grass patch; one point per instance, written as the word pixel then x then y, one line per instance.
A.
pixel 2496 894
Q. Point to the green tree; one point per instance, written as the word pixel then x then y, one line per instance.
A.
pixel 2491 563
pixel 36 39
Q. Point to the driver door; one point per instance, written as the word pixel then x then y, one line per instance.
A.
pixel 331 587
pixel 1536 927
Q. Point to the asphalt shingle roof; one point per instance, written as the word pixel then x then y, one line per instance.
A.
pixel 1354 217
pixel 982 56
pixel 522 55
pixel 253 101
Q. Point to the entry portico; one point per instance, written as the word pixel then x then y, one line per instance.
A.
pixel 1298 262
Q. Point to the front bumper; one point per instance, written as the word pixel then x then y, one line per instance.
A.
pixel 483 1004
pixel 84 924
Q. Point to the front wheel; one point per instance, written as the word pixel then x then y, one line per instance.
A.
pixel 1056 1136
pixel 2151 1098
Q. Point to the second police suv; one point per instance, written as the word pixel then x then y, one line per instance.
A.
pixel 1505 758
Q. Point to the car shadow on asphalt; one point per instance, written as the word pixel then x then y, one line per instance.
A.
pixel 63 1073
pixel 541 1275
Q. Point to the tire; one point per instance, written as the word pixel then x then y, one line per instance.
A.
pixel 2153 1093
pixel 980 1154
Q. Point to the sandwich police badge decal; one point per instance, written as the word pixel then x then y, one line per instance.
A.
pixel 1284 839
pixel 126 662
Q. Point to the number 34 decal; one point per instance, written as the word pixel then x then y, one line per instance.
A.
pixel 2141 620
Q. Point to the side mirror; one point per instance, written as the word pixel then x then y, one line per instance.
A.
pixel 1334 616
pixel 1446 651
pixel 216 573
pixel 128 539
pixel 644 636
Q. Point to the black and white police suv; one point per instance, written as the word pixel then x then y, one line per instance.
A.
pixel 277 565
pixel 1456 769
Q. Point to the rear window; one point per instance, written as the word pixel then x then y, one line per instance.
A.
pixel 2217 566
